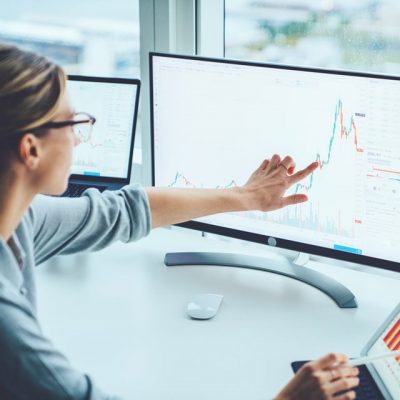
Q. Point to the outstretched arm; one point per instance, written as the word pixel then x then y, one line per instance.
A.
pixel 264 191
pixel 95 220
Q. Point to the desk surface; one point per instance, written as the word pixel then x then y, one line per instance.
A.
pixel 126 302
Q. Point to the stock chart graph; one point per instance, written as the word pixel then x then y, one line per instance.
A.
pixel 106 151
pixel 344 132
pixel 309 216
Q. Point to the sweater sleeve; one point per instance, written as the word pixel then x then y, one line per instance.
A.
pixel 90 222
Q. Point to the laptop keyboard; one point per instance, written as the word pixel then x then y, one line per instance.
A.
pixel 76 189
pixel 366 390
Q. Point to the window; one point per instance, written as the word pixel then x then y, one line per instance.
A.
pixel 363 34
pixel 91 37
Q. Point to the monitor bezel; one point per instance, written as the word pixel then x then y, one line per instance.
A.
pixel 129 81
pixel 255 237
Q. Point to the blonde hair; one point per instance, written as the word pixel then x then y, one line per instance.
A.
pixel 31 88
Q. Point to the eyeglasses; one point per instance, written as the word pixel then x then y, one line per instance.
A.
pixel 82 124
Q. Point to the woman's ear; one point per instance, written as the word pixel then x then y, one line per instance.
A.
pixel 29 150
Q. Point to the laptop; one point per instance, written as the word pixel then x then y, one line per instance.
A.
pixel 381 379
pixel 105 160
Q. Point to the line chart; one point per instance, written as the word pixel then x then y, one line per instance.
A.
pixel 344 133
pixel 187 183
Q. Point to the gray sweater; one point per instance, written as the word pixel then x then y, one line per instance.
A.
pixel 30 367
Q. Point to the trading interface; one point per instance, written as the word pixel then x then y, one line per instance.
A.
pixel 106 152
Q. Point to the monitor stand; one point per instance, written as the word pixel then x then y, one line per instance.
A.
pixel 335 290
pixel 301 259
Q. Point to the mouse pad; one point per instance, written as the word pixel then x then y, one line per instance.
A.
pixel 366 390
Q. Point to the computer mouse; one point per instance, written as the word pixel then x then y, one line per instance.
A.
pixel 204 306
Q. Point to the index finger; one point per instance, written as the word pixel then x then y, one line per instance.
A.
pixel 300 175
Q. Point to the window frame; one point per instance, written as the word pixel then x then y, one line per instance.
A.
pixel 175 26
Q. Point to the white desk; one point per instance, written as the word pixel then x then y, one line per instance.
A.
pixel 123 303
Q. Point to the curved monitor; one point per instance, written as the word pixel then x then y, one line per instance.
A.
pixel 214 121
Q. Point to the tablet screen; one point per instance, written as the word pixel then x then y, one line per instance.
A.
pixel 389 368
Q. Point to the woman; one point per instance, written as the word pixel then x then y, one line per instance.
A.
pixel 37 137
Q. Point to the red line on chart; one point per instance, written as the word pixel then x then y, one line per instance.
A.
pixel 387 170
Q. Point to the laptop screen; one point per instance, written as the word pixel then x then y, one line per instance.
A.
pixel 389 368
pixel 113 102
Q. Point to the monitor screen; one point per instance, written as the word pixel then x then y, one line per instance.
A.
pixel 113 103
pixel 214 121
pixel 389 368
